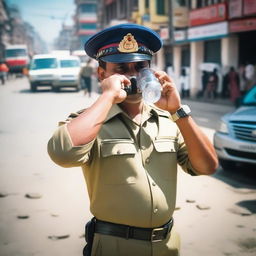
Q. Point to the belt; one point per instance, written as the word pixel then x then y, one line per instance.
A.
pixel 129 232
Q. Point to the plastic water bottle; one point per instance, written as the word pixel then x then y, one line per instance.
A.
pixel 149 85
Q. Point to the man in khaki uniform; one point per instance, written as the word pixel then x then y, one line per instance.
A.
pixel 129 150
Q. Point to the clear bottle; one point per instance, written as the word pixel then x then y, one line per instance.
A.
pixel 149 85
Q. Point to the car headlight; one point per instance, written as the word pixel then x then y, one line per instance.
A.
pixel 223 127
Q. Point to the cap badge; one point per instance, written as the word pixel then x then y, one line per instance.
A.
pixel 128 44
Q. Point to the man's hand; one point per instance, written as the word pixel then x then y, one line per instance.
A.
pixel 170 98
pixel 113 85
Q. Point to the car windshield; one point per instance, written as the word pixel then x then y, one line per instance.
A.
pixel 44 63
pixel 69 63
pixel 250 97
pixel 15 52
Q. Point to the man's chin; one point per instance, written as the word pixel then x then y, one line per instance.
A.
pixel 133 99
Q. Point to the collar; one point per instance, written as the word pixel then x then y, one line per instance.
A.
pixel 148 111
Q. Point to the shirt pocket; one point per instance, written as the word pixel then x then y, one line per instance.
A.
pixel 165 145
pixel 118 163
pixel 165 158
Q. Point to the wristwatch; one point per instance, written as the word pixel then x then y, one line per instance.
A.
pixel 181 112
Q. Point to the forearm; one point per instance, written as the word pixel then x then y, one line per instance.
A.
pixel 86 126
pixel 200 150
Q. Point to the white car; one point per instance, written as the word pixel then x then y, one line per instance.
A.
pixel 235 141
pixel 68 73
pixel 44 70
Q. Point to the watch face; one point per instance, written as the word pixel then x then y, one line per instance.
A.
pixel 184 111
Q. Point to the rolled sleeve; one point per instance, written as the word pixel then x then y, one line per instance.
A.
pixel 183 159
pixel 62 151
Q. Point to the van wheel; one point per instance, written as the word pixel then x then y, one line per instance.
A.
pixel 55 89
pixel 33 87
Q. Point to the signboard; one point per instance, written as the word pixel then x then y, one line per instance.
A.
pixel 208 31
pixel 242 25
pixel 164 33
pixel 180 17
pixel 249 7
pixel 206 15
pixel 235 8
pixel 180 35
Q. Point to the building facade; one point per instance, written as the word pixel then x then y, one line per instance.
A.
pixel 219 34
pixel 85 21
pixel 197 35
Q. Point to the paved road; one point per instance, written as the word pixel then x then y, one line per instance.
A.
pixel 227 227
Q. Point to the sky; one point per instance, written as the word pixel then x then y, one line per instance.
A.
pixel 46 16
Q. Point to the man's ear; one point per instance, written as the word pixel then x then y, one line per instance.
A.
pixel 101 73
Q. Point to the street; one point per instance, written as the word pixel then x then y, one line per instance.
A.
pixel 43 207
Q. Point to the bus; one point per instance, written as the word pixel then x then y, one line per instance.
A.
pixel 17 58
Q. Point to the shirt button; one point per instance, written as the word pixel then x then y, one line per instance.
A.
pixel 118 152
pixel 143 147
pixel 153 183
pixel 155 210
pixel 147 160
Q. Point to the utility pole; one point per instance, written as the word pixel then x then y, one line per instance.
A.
pixel 171 29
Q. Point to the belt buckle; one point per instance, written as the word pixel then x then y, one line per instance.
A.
pixel 153 235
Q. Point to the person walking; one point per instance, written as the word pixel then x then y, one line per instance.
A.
pixel 129 150
pixel 212 85
pixel 3 71
pixel 184 84
pixel 86 74
pixel 233 84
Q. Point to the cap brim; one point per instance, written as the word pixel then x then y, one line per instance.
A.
pixel 126 57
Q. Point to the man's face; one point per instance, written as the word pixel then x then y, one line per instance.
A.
pixel 127 69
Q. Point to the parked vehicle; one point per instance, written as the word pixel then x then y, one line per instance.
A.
pixel 235 140
pixel 43 71
pixel 68 73
pixel 17 58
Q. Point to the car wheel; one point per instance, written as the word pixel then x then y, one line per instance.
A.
pixel 227 165
pixel 33 87
pixel 55 89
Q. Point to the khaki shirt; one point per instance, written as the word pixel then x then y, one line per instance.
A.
pixel 130 169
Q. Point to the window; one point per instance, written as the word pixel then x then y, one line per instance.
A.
pixel 160 7
pixel 44 63
pixel 88 26
pixel 146 4
pixel 15 52
pixel 69 63
pixel 88 8
pixel 212 51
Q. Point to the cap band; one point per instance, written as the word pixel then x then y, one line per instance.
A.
pixel 104 51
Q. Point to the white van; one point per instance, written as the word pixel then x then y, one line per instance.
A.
pixel 68 73
pixel 56 71
pixel 43 70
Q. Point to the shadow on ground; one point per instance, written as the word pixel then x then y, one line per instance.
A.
pixel 243 177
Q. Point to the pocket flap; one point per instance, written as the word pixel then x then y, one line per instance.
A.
pixel 117 147
pixel 164 146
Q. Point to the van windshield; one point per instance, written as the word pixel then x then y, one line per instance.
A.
pixel 44 63
pixel 69 63
pixel 15 52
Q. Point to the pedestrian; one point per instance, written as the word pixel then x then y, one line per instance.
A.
pixel 233 84
pixel 3 71
pixel 86 75
pixel 212 85
pixel 184 84
pixel 129 150
pixel 242 79
pixel 249 76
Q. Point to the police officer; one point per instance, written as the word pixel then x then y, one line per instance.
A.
pixel 129 150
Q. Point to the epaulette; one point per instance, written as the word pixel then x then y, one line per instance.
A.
pixel 75 114
pixel 160 111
